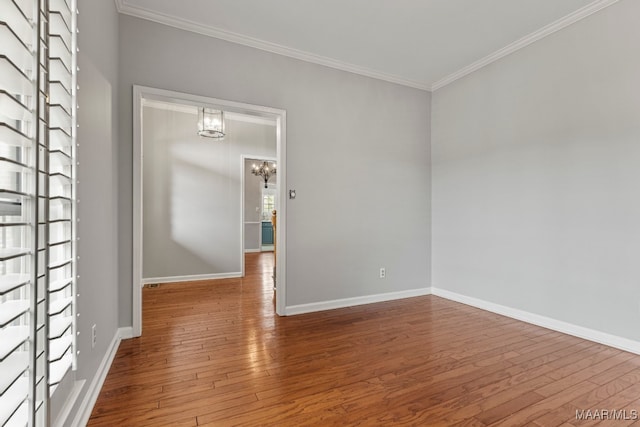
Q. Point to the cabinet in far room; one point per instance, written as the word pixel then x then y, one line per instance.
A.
pixel 267 233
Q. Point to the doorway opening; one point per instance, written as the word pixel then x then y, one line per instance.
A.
pixel 181 210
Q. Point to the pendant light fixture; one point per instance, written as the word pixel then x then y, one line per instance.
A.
pixel 265 171
pixel 211 123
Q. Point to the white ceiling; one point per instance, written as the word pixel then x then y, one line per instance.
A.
pixel 419 43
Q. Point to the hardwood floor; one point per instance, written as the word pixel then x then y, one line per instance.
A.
pixel 214 353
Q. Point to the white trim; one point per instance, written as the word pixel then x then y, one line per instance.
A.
pixel 276 114
pixel 191 278
pixel 241 39
pixel 126 333
pixel 525 41
pixel 543 321
pixel 91 395
pixel 136 300
pixel 218 33
pixel 350 302
pixel 69 403
pixel 281 210
pixel 251 251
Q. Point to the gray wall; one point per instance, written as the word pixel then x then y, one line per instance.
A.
pixel 536 177
pixel 97 190
pixel 192 193
pixel 98 176
pixel 372 135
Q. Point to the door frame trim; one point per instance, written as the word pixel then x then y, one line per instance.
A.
pixel 144 92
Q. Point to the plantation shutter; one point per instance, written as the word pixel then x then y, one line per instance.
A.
pixel 60 215
pixel 37 121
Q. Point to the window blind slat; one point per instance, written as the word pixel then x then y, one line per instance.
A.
pixel 59 368
pixel 21 416
pixel 13 80
pixel 7 225
pixel 59 306
pixel 60 347
pixel 60 74
pixel 59 51
pixel 59 326
pixel 58 94
pixel 12 253
pixel 12 310
pixel 13 109
pixel 11 338
pixel 11 401
pixel 58 139
pixel 17 19
pixel 60 6
pixel 60 26
pixel 60 242
pixel 10 137
pixel 10 165
pixel 60 179
pixel 60 118
pixel 26 7
pixel 60 285
pixel 11 282
pixel 12 368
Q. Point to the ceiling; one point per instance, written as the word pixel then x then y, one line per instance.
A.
pixel 419 43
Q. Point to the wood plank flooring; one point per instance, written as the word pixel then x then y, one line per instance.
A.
pixel 213 353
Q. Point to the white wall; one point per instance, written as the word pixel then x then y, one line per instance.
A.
pixel 536 180
pixel 373 136
pixel 192 194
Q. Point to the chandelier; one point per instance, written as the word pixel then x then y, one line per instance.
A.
pixel 265 170
pixel 211 123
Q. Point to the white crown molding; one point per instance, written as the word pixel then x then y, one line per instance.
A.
pixel 218 33
pixel 561 23
pixel 119 5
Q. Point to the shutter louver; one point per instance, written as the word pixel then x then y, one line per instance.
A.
pixel 17 87
pixel 37 127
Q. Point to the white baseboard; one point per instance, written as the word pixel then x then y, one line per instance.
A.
pixel 91 394
pixel 251 251
pixel 546 322
pixel 126 333
pixel 349 302
pixel 192 278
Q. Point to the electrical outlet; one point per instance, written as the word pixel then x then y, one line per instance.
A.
pixel 383 273
pixel 93 337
